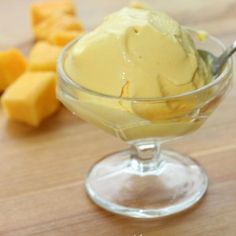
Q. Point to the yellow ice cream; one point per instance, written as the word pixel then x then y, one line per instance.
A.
pixel 137 53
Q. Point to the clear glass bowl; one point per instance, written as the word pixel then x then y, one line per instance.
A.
pixel 146 181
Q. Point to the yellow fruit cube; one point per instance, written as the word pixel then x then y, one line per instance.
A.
pixel 31 98
pixel 42 10
pixel 55 23
pixel 12 65
pixel 43 57
pixel 63 37
pixel 138 5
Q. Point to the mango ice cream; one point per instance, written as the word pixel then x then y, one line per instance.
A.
pixel 137 54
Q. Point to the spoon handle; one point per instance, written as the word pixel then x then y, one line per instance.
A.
pixel 221 60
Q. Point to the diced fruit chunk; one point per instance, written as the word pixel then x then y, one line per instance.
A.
pixel 138 5
pixel 43 57
pixel 61 38
pixel 44 9
pixel 12 65
pixel 31 98
pixel 55 23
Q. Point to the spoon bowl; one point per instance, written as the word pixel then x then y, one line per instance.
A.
pixel 216 64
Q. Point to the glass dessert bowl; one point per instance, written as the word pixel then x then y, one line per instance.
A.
pixel 146 181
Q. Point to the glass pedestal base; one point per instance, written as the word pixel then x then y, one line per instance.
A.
pixel 175 184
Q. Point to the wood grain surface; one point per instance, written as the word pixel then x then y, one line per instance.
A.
pixel 42 170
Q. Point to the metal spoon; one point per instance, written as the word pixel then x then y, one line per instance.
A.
pixel 216 63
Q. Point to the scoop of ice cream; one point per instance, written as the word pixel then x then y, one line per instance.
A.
pixel 142 52
pixel 138 53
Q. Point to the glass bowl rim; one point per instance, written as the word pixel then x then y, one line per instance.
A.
pixel 62 74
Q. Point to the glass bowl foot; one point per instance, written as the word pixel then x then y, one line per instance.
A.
pixel 174 185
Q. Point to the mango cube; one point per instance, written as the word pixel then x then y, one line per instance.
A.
pixel 31 98
pixel 43 57
pixel 138 5
pixel 12 65
pixel 44 9
pixel 55 23
pixel 63 37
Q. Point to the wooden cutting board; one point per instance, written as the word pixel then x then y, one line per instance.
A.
pixel 42 170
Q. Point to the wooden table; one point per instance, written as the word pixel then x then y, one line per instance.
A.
pixel 42 170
